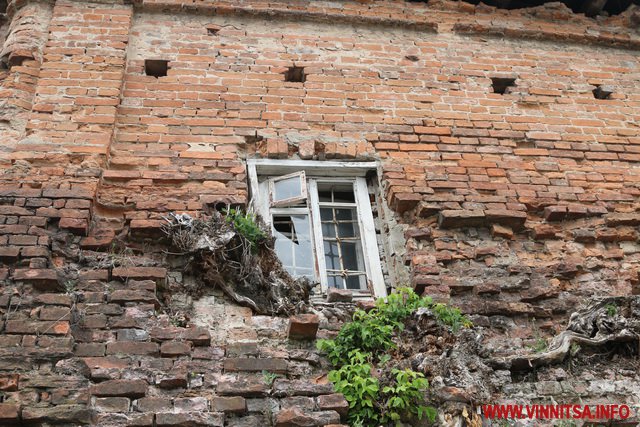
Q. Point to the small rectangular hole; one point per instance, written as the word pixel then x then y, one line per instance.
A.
pixel 213 30
pixel 502 85
pixel 602 92
pixel 294 74
pixel 156 67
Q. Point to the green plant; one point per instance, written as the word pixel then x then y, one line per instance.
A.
pixel 372 331
pixel 612 310
pixel 268 377
pixel 406 397
pixel 540 346
pixel 367 333
pixel 359 388
pixel 245 224
pixel 574 349
pixel 364 342
pixel 451 316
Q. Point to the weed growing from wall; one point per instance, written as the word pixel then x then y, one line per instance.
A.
pixel 363 346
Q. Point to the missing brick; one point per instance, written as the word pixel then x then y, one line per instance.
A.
pixel 412 58
pixel 156 67
pixel 295 74
pixel 525 143
pixel 252 139
pixel 602 92
pixel 502 85
pixel 213 30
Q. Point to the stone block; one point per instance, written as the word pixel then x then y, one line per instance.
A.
pixel 555 213
pixel 303 326
pixel 42 279
pixel 175 348
pixel 125 388
pixel 461 218
pixel 193 419
pixel 9 412
pixel 339 295
pixel 334 402
pixel 235 404
pixel 255 365
pixel 294 417
pixel 9 382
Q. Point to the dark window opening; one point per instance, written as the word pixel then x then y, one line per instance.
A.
pixel 602 92
pixel 295 74
pixel 156 67
pixel 588 7
pixel 502 85
pixel 3 7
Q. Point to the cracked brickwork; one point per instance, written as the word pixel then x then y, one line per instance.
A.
pixel 514 206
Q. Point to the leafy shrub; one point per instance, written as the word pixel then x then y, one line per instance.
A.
pixel 365 341
pixel 245 224
pixel 367 333
pixel 359 388
pixel 406 397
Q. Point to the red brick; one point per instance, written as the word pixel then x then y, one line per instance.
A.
pixel 303 326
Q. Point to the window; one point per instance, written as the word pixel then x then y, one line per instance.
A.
pixel 320 215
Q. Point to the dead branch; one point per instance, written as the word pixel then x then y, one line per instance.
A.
pixel 247 272
pixel 602 322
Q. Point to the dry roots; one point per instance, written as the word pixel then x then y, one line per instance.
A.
pixel 603 321
pixel 248 272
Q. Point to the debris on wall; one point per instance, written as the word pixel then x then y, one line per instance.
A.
pixel 238 258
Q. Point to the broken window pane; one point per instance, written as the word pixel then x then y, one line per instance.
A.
pixel 336 193
pixel 293 243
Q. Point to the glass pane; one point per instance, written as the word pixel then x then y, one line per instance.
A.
pixel 356 282
pixel 293 243
pixel 324 196
pixel 347 214
pixel 336 192
pixel 287 188
pixel 335 282
pixel 328 229
pixel 326 214
pixel 344 197
pixel 350 256
pixel 331 256
pixel 347 229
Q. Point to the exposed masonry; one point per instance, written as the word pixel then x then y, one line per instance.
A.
pixel 516 206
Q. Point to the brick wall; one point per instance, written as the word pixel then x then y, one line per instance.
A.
pixel 520 204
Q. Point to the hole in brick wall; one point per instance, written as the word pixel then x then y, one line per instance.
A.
pixel 602 92
pixel 294 74
pixel 213 30
pixel 17 60
pixel 412 58
pixel 502 85
pixel 525 143
pixel 252 139
pixel 156 67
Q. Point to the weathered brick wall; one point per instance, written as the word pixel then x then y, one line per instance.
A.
pixel 519 204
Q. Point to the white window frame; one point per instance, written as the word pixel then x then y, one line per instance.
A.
pixel 323 171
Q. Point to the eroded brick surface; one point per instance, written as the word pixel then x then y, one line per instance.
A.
pixel 514 206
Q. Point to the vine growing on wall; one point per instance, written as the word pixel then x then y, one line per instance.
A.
pixel 378 392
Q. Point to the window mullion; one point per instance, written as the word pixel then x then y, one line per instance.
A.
pixel 316 227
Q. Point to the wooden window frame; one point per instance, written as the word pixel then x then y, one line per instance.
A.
pixel 314 172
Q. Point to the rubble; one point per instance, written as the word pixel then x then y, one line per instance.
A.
pixel 248 272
